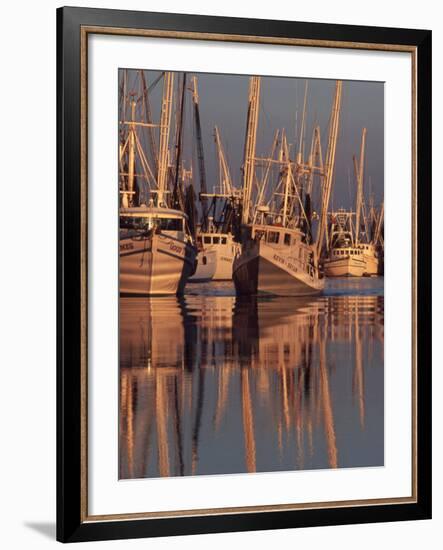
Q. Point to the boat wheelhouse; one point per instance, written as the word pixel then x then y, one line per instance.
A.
pixel 224 248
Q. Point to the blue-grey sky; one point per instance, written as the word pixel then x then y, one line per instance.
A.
pixel 224 101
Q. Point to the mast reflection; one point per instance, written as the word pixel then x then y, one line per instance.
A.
pixel 213 385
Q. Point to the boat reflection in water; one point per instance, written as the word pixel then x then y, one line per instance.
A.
pixel 216 385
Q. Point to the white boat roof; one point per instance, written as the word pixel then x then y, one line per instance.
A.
pixel 213 234
pixel 268 227
pixel 152 212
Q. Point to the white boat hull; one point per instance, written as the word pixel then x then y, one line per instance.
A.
pixel 345 267
pixel 371 262
pixel 206 267
pixel 154 263
pixel 224 248
pixel 224 261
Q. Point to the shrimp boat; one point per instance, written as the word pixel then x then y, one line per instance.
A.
pixel 222 247
pixel 278 254
pixel 345 262
pixel 157 255
pixel 214 234
pixel 157 250
pixel 275 260
pixel 345 258
pixel 219 209
pixel 350 253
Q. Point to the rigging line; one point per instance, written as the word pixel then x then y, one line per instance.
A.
pixel 297 194
pixel 156 81
pixel 143 160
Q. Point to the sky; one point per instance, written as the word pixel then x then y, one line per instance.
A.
pixel 224 102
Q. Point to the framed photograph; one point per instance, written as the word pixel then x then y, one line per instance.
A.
pixel 244 274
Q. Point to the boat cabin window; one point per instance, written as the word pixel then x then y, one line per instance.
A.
pixel 272 237
pixel 170 224
pixel 147 222
pixel 216 240
pixel 130 222
pixel 224 240
pixel 287 239
pixel 207 240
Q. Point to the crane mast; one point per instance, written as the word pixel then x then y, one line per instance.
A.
pixel 178 199
pixel 200 152
pixel 148 118
pixel 131 154
pixel 250 143
pixel 302 127
pixel 165 123
pixel 359 176
pixel 226 181
pixel 329 165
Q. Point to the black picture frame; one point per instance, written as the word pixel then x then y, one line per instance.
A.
pixel 72 526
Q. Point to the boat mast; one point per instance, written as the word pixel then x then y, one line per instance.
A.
pixel 148 119
pixel 268 165
pixel 200 152
pixel 226 181
pixel 286 197
pixel 329 165
pixel 178 188
pixel 250 143
pixel 131 160
pixel 315 165
pixel 359 176
pixel 165 121
pixel 302 127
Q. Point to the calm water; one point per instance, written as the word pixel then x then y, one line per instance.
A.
pixel 210 384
